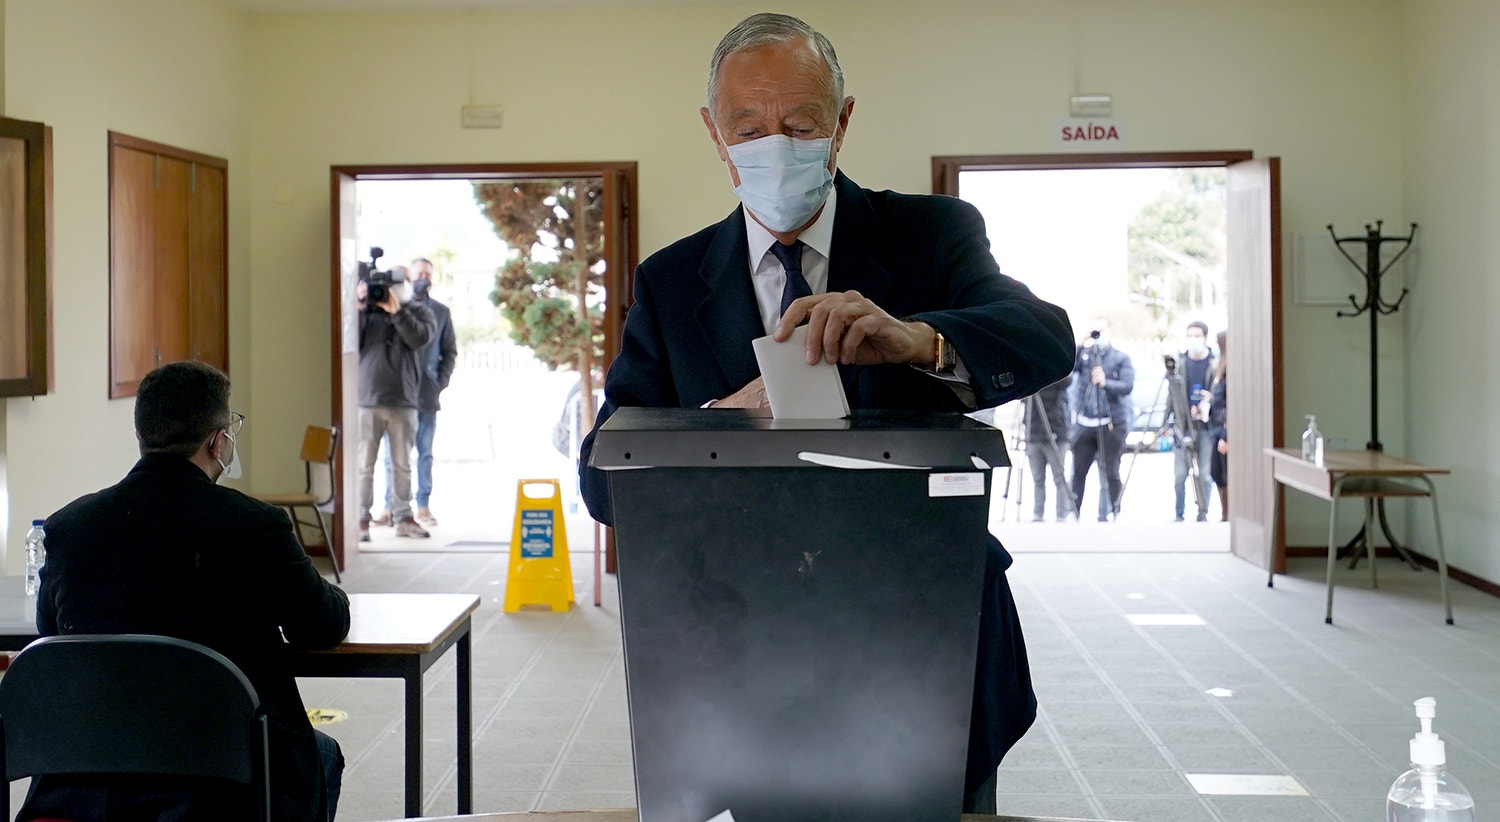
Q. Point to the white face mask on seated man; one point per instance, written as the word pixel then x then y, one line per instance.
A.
pixel 232 469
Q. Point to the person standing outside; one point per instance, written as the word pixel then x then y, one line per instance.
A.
pixel 393 329
pixel 901 291
pixel 437 359
pixel 1192 443
pixel 169 551
pixel 1046 441
pixel 1103 378
pixel 1218 429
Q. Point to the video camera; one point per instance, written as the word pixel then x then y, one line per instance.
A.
pixel 377 283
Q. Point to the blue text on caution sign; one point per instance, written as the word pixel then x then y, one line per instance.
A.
pixel 536 534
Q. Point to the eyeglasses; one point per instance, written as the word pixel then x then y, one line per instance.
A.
pixel 236 422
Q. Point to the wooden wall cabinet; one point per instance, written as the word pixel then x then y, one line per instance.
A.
pixel 168 260
pixel 25 258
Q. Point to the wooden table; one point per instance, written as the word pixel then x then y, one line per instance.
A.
pixel 390 636
pixel 1370 475
pixel 629 815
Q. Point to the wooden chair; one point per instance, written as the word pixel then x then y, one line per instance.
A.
pixel 130 704
pixel 319 444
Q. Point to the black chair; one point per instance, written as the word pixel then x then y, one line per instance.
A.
pixel 130 704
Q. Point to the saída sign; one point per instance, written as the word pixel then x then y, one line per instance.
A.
pixel 1084 134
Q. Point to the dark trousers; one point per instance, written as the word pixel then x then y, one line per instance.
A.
pixel 1043 454
pixel 1086 444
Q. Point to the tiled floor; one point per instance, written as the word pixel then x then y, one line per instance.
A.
pixel 1128 711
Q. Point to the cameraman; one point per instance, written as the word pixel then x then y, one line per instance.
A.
pixel 1103 378
pixel 392 333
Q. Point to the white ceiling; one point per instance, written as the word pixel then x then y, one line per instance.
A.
pixel 435 5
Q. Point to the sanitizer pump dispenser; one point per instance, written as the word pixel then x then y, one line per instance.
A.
pixel 1312 441
pixel 1427 792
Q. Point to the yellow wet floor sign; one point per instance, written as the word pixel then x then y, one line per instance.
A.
pixel 539 569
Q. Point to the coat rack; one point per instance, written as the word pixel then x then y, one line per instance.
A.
pixel 1374 303
pixel 1375 306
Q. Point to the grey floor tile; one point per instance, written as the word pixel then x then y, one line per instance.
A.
pixel 1218 732
pixel 1358 810
pixel 1221 759
pixel 1344 782
pixel 1136 782
pixel 1117 757
pixel 588 800
pixel 1064 806
pixel 1038 782
pixel 1157 809
pixel 1101 733
pixel 1264 809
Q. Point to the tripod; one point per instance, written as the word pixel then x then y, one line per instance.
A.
pixel 1055 456
pixel 1095 399
pixel 1179 409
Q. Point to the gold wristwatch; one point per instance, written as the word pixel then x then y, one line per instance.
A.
pixel 944 355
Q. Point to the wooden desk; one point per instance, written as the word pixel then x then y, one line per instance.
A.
pixel 390 636
pixel 1369 475
pixel 630 816
pixel 402 635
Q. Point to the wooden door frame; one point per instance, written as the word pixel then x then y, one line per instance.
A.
pixel 945 171
pixel 621 252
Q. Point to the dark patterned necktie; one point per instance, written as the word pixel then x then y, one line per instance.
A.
pixel 791 260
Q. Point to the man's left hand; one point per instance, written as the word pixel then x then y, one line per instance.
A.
pixel 846 327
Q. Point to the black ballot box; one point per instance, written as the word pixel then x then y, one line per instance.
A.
pixel 800 608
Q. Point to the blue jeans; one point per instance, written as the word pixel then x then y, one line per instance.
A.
pixel 1201 442
pixel 333 769
pixel 426 430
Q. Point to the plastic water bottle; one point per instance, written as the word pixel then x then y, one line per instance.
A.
pixel 1427 792
pixel 36 556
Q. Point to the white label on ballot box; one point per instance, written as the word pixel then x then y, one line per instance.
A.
pixel 966 484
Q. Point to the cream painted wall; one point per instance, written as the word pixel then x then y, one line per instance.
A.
pixel 1452 181
pixel 1313 83
pixel 172 71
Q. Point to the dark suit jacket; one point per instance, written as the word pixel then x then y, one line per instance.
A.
pixel 166 551
pixel 687 341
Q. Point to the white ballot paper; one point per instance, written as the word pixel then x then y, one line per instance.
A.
pixel 726 816
pixel 796 390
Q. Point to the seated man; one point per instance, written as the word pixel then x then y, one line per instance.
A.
pixel 169 551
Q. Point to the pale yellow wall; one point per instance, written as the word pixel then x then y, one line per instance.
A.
pixel 1451 159
pixel 1313 83
pixel 172 71
pixel 286 96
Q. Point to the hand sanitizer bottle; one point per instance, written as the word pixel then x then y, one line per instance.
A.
pixel 1312 441
pixel 1427 792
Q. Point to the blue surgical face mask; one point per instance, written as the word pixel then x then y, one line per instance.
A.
pixel 782 181
pixel 1196 346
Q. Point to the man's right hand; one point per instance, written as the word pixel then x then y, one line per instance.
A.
pixel 1097 375
pixel 751 396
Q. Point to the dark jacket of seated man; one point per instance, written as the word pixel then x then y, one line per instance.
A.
pixel 921 257
pixel 167 551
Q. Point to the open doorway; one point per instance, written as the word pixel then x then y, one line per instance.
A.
pixel 1149 244
pixel 508 413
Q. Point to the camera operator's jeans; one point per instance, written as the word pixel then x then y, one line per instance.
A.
pixel 1043 453
pixel 1086 445
pixel 1199 447
pixel 426 430
pixel 400 426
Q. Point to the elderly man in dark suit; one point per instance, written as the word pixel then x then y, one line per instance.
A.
pixel 901 291
pixel 169 551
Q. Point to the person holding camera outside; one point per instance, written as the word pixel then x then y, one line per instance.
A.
pixel 1192 442
pixel 393 331
pixel 1103 377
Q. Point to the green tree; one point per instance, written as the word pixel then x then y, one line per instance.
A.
pixel 1176 245
pixel 551 290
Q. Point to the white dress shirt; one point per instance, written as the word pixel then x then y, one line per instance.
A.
pixel 766 273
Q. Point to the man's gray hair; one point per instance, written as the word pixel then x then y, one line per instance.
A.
pixel 765 29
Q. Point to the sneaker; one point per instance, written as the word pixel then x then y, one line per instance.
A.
pixel 382 519
pixel 1177 518
pixel 424 516
pixel 364 531
pixel 409 528
pixel 1203 517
